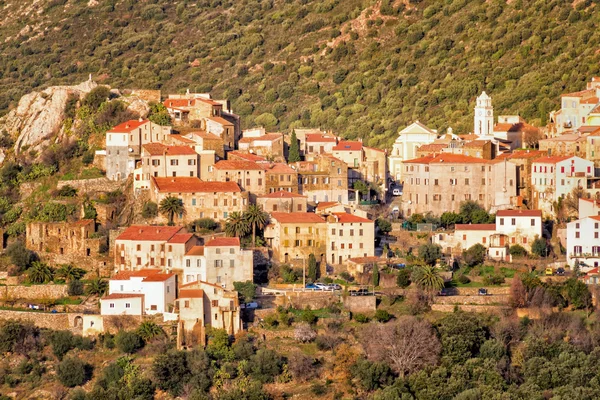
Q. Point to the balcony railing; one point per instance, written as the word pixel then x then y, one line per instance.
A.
pixel 584 255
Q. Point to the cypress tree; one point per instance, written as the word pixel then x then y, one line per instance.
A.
pixel 294 153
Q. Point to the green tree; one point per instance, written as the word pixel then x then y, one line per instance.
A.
pixel 20 255
pixel 294 150
pixel 267 120
pixel 246 290
pixel 236 225
pixel 472 212
pixel 148 330
pixel 69 272
pixel 89 211
pixel 578 295
pixel 171 206
pixel 129 342
pixel 96 97
pixel 539 247
pixel 516 250
pixel 40 272
pixel 474 255
pixel 403 278
pixel 430 253
pixel 361 188
pixel 257 218
pixel 150 210
pixel 97 287
pixel 312 268
pixel 427 278
pixel 461 335
pixel 67 191
pixel 72 372
pixel 449 219
pixel 75 288
pixel 375 275
pixel 159 114
pixel 384 226
pixel 171 371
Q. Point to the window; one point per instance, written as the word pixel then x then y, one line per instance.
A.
pixel 513 221
pixel 188 263
pixel 232 251
pixel 351 232
pixel 483 239
pixel 138 247
pixel 467 181
pixel 297 229
pixel 218 263
pixel 111 305
pixel 525 240
pixel 174 162
pixel 153 307
pixel 193 201
pixel 191 162
pixel 483 181
pixel 360 232
pixel 214 303
pixel 435 182
pixel 231 263
pixel 298 243
pixel 299 207
pixel 464 237
pixel 360 245
pixel 342 246
pixel 532 221
pixel 350 245
pixel 139 261
pixel 501 221
pixel 127 305
pixel 186 304
pixel 577 234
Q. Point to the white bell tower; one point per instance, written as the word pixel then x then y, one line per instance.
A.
pixel 484 116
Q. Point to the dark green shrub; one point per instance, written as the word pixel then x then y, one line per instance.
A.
pixel 75 288
pixel 382 316
pixel 150 210
pixel 360 318
pixel 72 372
pixel 129 342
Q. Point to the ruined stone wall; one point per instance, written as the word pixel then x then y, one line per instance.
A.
pixel 360 303
pixel 93 185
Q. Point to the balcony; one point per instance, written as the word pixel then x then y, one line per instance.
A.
pixel 584 255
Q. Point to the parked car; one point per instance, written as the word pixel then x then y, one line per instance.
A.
pixel 322 286
pixel 358 292
pixel 250 306
pixel 335 286
pixel 312 286
pixel 399 266
pixel 560 271
pixel 395 210
pixel 445 292
pixel 482 292
pixel 397 192
pixel 549 271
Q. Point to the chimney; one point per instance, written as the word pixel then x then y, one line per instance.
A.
pixel 141 119
pixel 141 230
pixel 126 125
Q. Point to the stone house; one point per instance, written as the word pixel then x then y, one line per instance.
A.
pixel 202 304
pixel 242 156
pixel 567 144
pixel 124 145
pixel 557 176
pixel 319 143
pixel 201 199
pixel 257 141
pixel 302 134
pixel 159 160
pixel 322 178
pixel 282 201
pixel 224 129
pixel 514 129
pixel 440 183
pixel 72 240
pixel 405 147
pixel 248 175
pixel 583 242
pixel 146 291
pixel 280 177
pixel 523 159
pixel 589 208
pixel 592 147
pixel 576 108
pixel 349 236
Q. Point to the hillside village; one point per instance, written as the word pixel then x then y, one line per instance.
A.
pixel 195 224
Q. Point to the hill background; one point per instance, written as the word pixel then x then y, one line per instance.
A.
pixel 362 68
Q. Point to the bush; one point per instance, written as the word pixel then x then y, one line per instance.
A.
pixel 474 255
pixel 516 250
pixel 539 247
pixel 19 255
pixel 346 276
pixel 72 372
pixel 463 279
pixel 360 318
pixel 382 316
pixel 246 290
pixel 129 342
pixel 61 342
pixel 308 316
pixel 75 288
pixel 327 342
pixel 494 279
pixel 403 278
pixel 203 224
pixel 150 210
pixel 96 97
pixel 67 191
pixel 304 333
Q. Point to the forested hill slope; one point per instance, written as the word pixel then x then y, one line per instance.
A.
pixel 362 68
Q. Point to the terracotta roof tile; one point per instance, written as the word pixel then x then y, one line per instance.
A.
pixel 319 137
pixel 181 139
pixel 246 156
pixel 223 241
pixel 348 146
pixel 551 159
pixel 297 218
pixel 158 149
pixel 181 238
pixel 205 135
pixel 237 165
pixel 193 185
pixel 519 213
pixel 191 294
pixel 282 194
pixel 195 251
pixel 432 147
pixel 475 227
pixel 327 204
pixel 448 158
pixel 150 233
pixel 522 154
pixel 117 296
pixel 220 120
pixel 149 275
pixel 268 137
pixel 365 260
pixel 350 218
pixel 581 93
pixel 127 126
pixel 278 168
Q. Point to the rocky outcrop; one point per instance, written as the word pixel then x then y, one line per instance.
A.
pixel 40 115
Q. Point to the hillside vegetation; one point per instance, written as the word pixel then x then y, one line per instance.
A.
pixel 362 68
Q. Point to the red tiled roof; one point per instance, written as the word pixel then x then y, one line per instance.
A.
pixel 177 103
pixel 551 159
pixel 297 218
pixel 181 238
pixel 193 185
pixel 247 156
pixel 591 100
pixel 149 233
pixel 326 204
pixel 502 127
pixel 349 218
pixel 203 283
pixel 279 168
pixel 195 251
pixel 475 227
pixel 158 149
pixel 522 154
pixel 191 294
pixel 237 165
pixel 595 217
pixel 181 139
pixel 209 101
pixel 348 146
pixel 432 147
pixel 149 275
pixel 519 213
pixel 282 194
pixel 579 94
pixel 220 120
pixel 268 137
pixel 205 135
pixel 319 137
pixel 116 296
pixel 448 158
pixel 158 277
pixel 223 241
pixel 127 126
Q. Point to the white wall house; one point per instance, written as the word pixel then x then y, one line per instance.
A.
pixel 588 208
pixel 158 290
pixel 405 147
pixel 583 242
pixel 122 304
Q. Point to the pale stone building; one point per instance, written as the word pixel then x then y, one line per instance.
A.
pixel 282 201
pixel 583 242
pixel 322 178
pixel 349 236
pixel 280 177
pixel 160 161
pixel 405 147
pixel 248 175
pixel 69 239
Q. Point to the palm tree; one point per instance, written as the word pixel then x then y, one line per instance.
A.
pixel 237 225
pixel 40 272
pixel 171 206
pixel 257 219
pixel 148 329
pixel 70 273
pixel 428 278
pixel 97 287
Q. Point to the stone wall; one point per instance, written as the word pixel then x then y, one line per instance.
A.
pixel 360 303
pixel 58 321
pixel 481 300
pixel 34 292
pixel 302 300
pixel 501 310
pixel 92 185
pixel 504 290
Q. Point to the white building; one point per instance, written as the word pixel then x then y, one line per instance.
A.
pixel 588 208
pixel 405 147
pixel 583 242
pixel 556 176
pixel 484 116
pixel 129 292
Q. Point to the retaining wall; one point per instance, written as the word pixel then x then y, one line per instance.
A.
pixel 59 321
pixel 481 300
pixel 34 292
pixel 92 185
pixel 471 308
pixel 360 303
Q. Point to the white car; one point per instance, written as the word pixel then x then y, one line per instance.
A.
pixel 397 192
pixel 322 286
